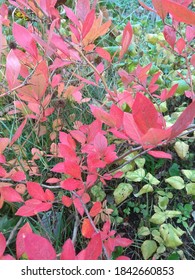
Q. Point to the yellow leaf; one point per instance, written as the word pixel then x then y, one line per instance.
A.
pixel 181 149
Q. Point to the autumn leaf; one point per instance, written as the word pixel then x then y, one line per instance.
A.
pixel 68 251
pixel 25 39
pixel 22 233
pixel 87 229
pixel 12 69
pixel 184 120
pixel 10 194
pixel 179 12
pixel 126 39
pixel 38 248
pixel 18 132
pixel 158 5
pixel 82 9
pixel 96 209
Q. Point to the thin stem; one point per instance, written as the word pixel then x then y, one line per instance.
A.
pixel 91 221
pixel 13 231
pixel 75 230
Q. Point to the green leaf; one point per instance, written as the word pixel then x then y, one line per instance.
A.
pixel 152 180
pixel 145 189
pixel 181 149
pixel 155 232
pixel 148 248
pixel 143 231
pixel 174 256
pixel 170 236
pixel 122 192
pixel 176 182
pixel 158 218
pixel 127 167
pixel 163 202
pixel 190 188
pixel 172 213
pixel 190 174
pixel 161 249
pixel 140 162
pixel 158 239
pixel 136 176
pixel 174 170
pixel 97 193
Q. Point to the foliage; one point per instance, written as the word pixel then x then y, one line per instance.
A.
pixel 77 148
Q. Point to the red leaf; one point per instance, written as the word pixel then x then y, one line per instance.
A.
pixel 36 191
pixel 159 154
pixel 82 9
pixel 131 128
pixel 100 69
pixel 49 195
pixel 79 136
pixel 154 136
pixel 2 172
pixel 56 80
pixel 103 53
pixel 158 5
pixel 67 201
pixel 167 94
pixel 152 86
pixel 180 45
pixel 88 82
pixel 179 12
pixel 66 152
pixel 102 116
pixel 2 244
pixel 72 16
pixel 32 207
pixel 144 113
pixel 190 33
pixel 79 206
pixel 141 72
pixel 24 38
pixel 38 248
pixel 146 7
pixel 122 258
pixel 59 167
pixel 73 169
pixel 117 114
pixel 71 184
pixel 184 120
pixel 68 251
pixel 10 194
pixel 12 69
pixel 126 39
pixel 35 90
pixel 20 246
pixel 123 242
pixel 3 144
pixel 18 132
pixel 67 140
pixel 170 35
pixel 18 176
pixel 52 180
pixel 192 60
pixel 94 248
pixel 87 229
pixel 88 23
pixel 100 143
pixel 60 44
pixel 96 209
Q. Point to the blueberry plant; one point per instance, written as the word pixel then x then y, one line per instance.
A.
pixel 65 152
